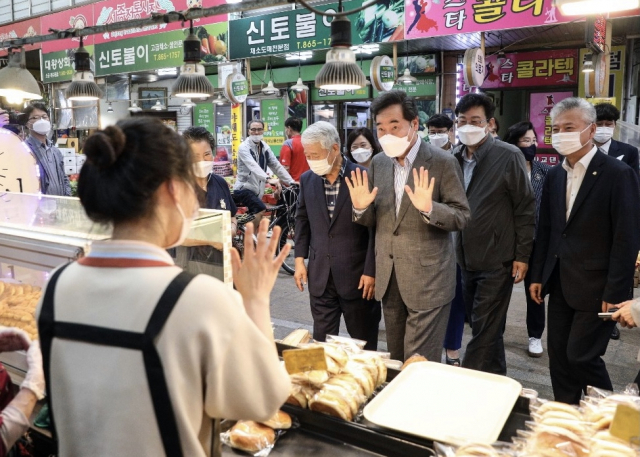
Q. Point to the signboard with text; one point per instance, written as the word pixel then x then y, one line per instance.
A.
pixel 540 106
pixel 57 67
pixel 76 18
pixel 321 95
pixel 430 18
pixel 616 74
pixel 272 113
pixel 203 115
pixel 302 30
pixel 424 87
pixel 236 133
pixel 23 29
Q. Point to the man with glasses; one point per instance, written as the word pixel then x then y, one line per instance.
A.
pixel 255 158
pixel 493 250
pixel 53 180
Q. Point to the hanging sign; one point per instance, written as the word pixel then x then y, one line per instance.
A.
pixel 75 18
pixel 236 133
pixel 474 67
pixel 540 106
pixel 301 30
pixel 272 113
pixel 615 80
pixel 596 33
pixel 203 115
pixel 425 86
pixel 383 74
pixel 236 88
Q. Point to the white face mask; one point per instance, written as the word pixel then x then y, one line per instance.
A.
pixel 603 134
pixel 394 146
pixel 256 138
pixel 186 226
pixel 470 135
pixel 566 143
pixel 438 139
pixel 361 155
pixel 41 126
pixel 203 169
pixel 321 167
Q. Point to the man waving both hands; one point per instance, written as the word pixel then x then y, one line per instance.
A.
pixel 413 196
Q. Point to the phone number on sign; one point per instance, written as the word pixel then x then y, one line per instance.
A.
pixel 167 55
pixel 310 44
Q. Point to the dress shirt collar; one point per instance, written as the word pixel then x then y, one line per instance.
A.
pixel 341 173
pixel 585 161
pixel 411 157
pixel 481 151
pixel 605 146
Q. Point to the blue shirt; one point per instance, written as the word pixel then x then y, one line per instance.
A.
pixel 218 195
pixel 468 165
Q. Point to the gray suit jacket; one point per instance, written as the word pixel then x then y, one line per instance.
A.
pixel 422 253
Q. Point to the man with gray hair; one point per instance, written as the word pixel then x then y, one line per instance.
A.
pixel 341 253
pixel 586 246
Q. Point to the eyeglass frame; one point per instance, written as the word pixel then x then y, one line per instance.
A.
pixel 257 130
pixel 474 123
pixel 39 118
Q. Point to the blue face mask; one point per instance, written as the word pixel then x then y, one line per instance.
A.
pixel 529 152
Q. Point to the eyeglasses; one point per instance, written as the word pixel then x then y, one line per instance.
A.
pixel 363 145
pixel 256 130
pixel 475 122
pixel 37 118
pixel 527 141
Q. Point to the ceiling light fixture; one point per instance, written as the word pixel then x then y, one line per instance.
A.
pixel 158 106
pixel 340 72
pixel 16 82
pixel 589 7
pixel 406 78
pixel 302 55
pixel 83 86
pixel 587 64
pixel 110 108
pixel 192 82
pixel 219 100
pixel 134 108
pixel 299 86
pixel 270 89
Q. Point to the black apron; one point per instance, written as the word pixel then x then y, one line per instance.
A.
pixel 165 417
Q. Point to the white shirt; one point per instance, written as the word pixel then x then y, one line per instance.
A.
pixel 605 147
pixel 575 176
pixel 401 173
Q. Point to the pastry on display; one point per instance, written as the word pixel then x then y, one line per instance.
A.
pixel 279 421
pixel 18 304
pixel 250 436
pixel 413 359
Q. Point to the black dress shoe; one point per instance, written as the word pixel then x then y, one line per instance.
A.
pixel 615 334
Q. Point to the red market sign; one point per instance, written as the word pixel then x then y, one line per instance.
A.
pixel 76 18
pixel 532 69
pixel 110 11
pixel 429 18
pixel 540 106
pixel 22 29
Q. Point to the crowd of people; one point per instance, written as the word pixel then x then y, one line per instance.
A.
pixel 429 234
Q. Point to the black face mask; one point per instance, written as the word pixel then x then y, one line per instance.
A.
pixel 529 152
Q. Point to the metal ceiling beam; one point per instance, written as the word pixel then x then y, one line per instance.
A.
pixel 166 18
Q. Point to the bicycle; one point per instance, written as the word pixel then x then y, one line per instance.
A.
pixel 283 215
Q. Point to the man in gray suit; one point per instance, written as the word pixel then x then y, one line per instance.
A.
pixel 414 198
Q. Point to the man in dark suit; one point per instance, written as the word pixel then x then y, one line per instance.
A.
pixel 607 116
pixel 586 247
pixel 415 199
pixel 341 272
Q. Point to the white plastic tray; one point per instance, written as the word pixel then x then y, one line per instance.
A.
pixel 445 403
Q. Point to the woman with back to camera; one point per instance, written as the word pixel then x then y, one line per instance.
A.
pixel 524 137
pixel 140 356
pixel 361 147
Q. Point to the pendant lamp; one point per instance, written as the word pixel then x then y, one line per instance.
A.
pixel 340 72
pixel 83 86
pixel 192 82
pixel 16 82
pixel 134 108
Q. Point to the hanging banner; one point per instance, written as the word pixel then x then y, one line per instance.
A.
pixel 151 52
pixel 75 18
pixel 21 29
pixel 430 18
pixel 473 67
pixel 532 69
pixel 322 95
pixel 110 11
pixel 615 82
pixel 272 113
pixel 57 67
pixel 236 133
pixel 301 30
pixel 203 115
pixel 540 106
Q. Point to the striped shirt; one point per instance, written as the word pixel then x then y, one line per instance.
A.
pixel 331 190
pixel 401 173
pixel 53 180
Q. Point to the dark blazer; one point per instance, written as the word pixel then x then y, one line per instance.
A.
pixel 629 153
pixel 502 208
pixel 337 245
pixel 598 245
pixel 539 172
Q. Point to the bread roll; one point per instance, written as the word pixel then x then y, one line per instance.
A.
pixel 558 406
pixel 550 437
pixel 573 425
pixel 298 336
pixel 328 402
pixel 251 437
pixel 279 421
pixel 315 378
pixel 479 450
pixel 413 359
pixel 336 353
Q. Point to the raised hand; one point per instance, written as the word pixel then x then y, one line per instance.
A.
pixel 422 196
pixel 358 186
